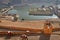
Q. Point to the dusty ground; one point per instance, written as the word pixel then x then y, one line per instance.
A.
pixel 30 24
pixel 41 37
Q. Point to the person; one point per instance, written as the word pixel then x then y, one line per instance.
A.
pixel 42 6
pixel 22 19
pixel 15 18
pixel 24 37
pixel 12 18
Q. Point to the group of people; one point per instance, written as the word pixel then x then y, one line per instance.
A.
pixel 15 17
